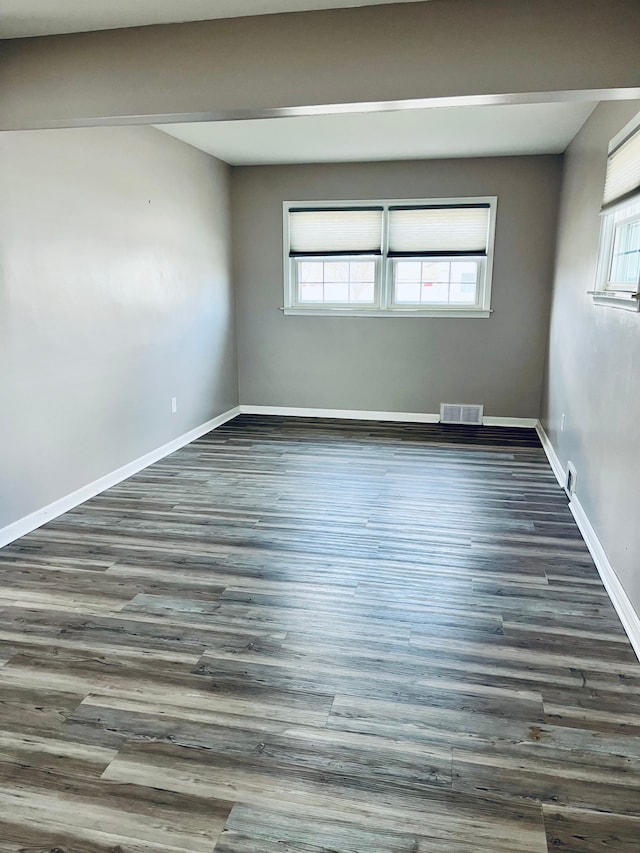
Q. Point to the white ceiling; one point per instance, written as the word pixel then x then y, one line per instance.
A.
pixel 478 131
pixel 20 18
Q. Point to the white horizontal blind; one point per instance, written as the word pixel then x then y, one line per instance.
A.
pixel 335 231
pixel 623 170
pixel 438 230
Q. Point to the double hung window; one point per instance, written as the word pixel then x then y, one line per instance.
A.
pixel 419 258
pixel 618 278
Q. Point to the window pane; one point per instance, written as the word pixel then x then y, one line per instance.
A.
pixel 407 270
pixel 361 292
pixel 442 282
pixel 336 291
pixel 435 271
pixel 462 293
pixel 464 277
pixel 625 265
pixel 311 292
pixel 363 271
pixel 434 292
pixel 336 271
pixel 310 271
pixel 464 271
pixel 407 292
pixel 334 281
pixel 435 282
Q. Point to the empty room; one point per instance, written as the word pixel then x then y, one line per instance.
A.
pixel 319 406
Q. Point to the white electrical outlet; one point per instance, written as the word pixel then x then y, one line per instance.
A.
pixel 174 405
pixel 562 420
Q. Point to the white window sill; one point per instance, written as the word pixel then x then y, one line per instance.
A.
pixel 616 299
pixel 395 312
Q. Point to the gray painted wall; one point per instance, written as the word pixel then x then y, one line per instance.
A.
pixel 398 364
pixel 593 367
pixel 440 48
pixel 116 295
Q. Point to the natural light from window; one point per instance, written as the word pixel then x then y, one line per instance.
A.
pixel 335 282
pixel 435 282
pixel 418 257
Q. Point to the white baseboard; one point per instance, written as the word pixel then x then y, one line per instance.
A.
pixel 53 510
pixel 619 598
pixel 346 414
pixel 362 415
pixel 552 456
pixel 522 423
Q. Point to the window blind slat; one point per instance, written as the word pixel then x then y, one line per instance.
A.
pixel 325 232
pixel 623 171
pixel 438 230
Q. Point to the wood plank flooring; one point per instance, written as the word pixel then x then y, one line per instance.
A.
pixel 301 636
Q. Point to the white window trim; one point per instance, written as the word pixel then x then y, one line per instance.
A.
pixel 625 298
pixel 384 306
pixel 374 306
pixel 616 299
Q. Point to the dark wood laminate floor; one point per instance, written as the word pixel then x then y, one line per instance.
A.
pixel 318 637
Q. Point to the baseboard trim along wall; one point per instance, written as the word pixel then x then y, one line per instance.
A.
pixel 522 423
pixel 619 598
pixel 552 456
pixel 53 510
pixel 343 414
pixel 363 415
